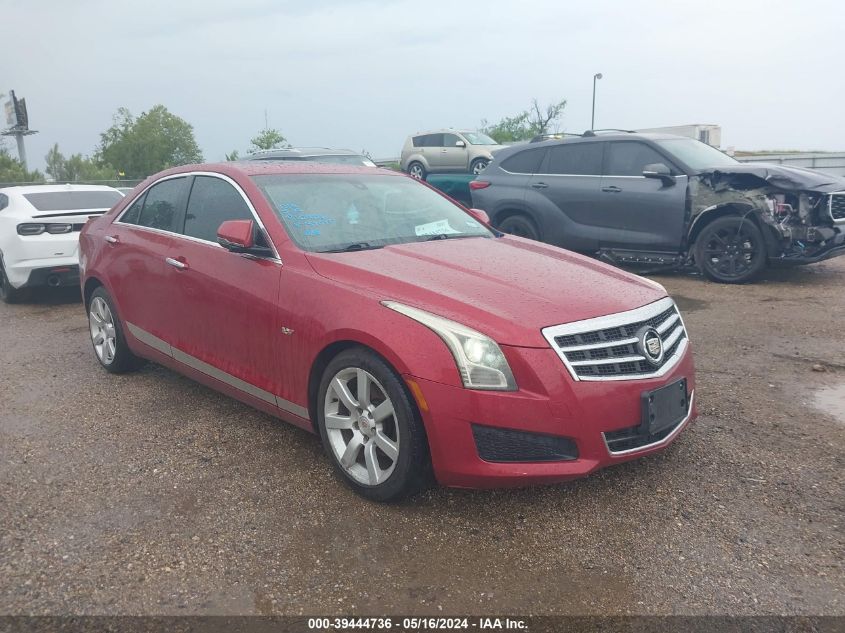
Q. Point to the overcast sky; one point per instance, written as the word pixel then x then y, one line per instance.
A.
pixel 364 74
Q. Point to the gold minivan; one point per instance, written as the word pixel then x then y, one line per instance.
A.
pixel 447 151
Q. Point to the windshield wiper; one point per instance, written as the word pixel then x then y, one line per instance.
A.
pixel 355 246
pixel 445 236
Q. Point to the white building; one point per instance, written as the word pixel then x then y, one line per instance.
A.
pixel 704 132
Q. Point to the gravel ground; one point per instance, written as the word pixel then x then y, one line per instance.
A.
pixel 150 494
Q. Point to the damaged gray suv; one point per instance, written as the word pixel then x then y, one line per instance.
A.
pixel 653 201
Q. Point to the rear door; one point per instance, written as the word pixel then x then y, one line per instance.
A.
pixel 226 303
pixel 565 194
pixel 452 157
pixel 640 213
pixel 138 243
pixel 432 144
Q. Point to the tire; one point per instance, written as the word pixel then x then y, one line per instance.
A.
pixel 416 170
pixel 380 450
pixel 478 165
pixel 8 293
pixel 105 326
pixel 521 226
pixel 731 250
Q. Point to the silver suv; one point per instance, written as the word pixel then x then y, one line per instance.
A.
pixel 447 151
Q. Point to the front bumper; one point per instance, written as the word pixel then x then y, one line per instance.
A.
pixel 549 402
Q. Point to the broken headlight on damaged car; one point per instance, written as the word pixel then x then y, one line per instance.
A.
pixel 479 358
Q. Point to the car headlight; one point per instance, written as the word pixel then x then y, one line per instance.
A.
pixel 480 361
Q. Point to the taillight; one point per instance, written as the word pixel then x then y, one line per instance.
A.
pixel 31 229
pixel 58 229
pixel 479 184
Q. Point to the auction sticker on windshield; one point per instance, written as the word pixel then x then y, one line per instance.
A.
pixel 434 228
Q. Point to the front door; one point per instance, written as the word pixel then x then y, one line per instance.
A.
pixel 226 304
pixel 452 156
pixel 645 214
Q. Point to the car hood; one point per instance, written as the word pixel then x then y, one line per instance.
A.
pixel 508 288
pixel 779 176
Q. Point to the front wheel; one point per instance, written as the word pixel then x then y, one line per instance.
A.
pixel 731 250
pixel 479 165
pixel 370 427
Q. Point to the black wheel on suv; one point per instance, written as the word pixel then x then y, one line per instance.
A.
pixel 416 170
pixel 521 226
pixel 479 165
pixel 8 293
pixel 731 250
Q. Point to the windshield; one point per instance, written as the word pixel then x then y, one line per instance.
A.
pixel 695 154
pixel 332 212
pixel 477 138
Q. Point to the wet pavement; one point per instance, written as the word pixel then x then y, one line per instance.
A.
pixel 150 494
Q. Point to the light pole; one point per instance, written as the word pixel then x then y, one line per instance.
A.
pixel 593 118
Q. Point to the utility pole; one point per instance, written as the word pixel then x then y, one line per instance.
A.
pixel 18 122
pixel 593 118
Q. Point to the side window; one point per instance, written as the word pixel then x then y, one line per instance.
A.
pixel 579 159
pixel 525 162
pixel 419 141
pixel 4 201
pixel 433 140
pixel 212 202
pixel 161 205
pixel 133 213
pixel 629 158
pixel 449 140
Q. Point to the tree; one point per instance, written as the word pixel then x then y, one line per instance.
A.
pixel 527 124
pixel 76 168
pixel 268 138
pixel 12 170
pixel 232 156
pixel 154 141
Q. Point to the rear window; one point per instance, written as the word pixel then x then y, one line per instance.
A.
pixel 73 200
pixel 525 162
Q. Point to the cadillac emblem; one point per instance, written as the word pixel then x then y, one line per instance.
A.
pixel 650 345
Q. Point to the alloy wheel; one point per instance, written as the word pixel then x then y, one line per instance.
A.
pixel 730 251
pixel 360 422
pixel 103 332
pixel 416 171
pixel 478 167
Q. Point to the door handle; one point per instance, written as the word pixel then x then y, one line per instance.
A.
pixel 112 239
pixel 539 185
pixel 176 263
pixel 611 189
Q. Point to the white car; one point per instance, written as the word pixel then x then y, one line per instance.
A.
pixel 39 233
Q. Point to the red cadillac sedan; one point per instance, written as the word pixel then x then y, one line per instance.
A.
pixel 365 306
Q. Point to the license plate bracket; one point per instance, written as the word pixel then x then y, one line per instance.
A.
pixel 665 407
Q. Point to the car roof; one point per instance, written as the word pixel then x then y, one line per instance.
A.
pixel 23 189
pixel 267 168
pixel 446 130
pixel 613 136
pixel 302 151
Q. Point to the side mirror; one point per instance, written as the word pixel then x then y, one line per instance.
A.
pixel 239 236
pixel 460 144
pixel 659 171
pixel 480 215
